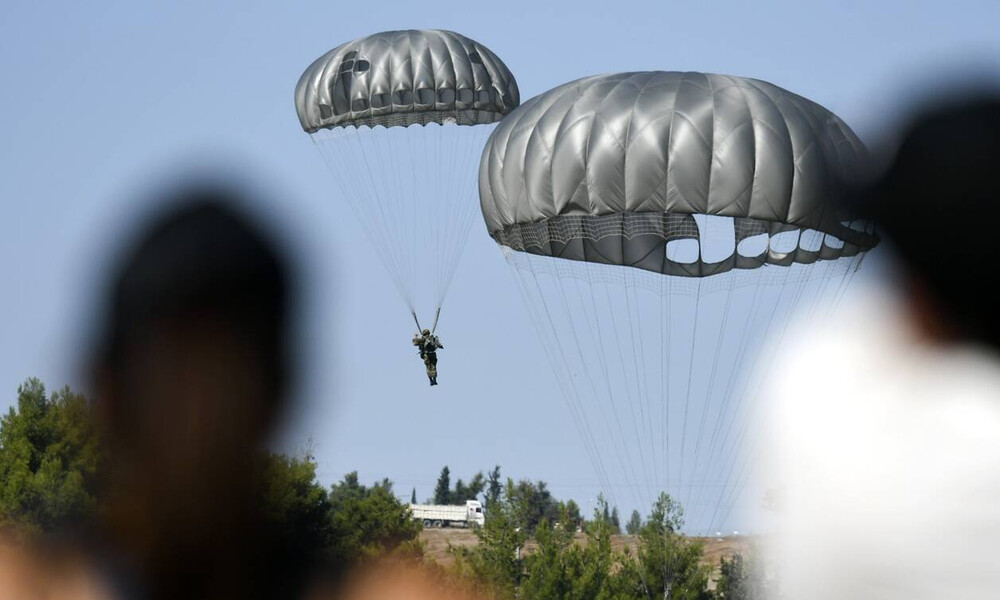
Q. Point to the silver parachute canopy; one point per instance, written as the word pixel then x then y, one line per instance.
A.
pixel 611 168
pixel 663 228
pixel 401 78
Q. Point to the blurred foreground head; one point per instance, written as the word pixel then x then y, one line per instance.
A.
pixel 192 374
pixel 939 204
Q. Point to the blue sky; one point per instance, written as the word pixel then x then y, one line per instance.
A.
pixel 101 98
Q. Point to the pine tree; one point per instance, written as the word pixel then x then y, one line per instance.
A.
pixel 442 491
pixel 634 523
pixel 413 496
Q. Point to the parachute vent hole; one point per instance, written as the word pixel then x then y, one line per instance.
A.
pixel 683 251
pixel 785 242
pixel 811 241
pixel 717 236
pixel 752 246
pixel 832 241
pixel 362 66
pixel 351 54
pixel 346 66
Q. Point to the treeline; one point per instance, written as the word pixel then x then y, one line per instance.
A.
pixel 533 546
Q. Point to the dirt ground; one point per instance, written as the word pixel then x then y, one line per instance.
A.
pixel 436 542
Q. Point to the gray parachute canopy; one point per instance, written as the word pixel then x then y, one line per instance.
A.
pixel 401 78
pixel 612 168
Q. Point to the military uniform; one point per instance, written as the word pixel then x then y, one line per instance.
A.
pixel 428 344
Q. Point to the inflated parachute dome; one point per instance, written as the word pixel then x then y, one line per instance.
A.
pixel 401 78
pixel 401 118
pixel 611 169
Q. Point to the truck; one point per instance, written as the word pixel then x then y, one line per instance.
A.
pixel 440 515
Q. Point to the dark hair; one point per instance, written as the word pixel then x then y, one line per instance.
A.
pixel 939 204
pixel 202 260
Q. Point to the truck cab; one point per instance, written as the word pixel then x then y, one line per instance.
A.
pixel 475 512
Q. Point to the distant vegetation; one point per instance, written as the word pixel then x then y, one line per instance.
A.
pixel 51 479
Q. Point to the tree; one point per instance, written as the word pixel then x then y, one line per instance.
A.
pixel 616 525
pixel 50 459
pixel 442 491
pixel 741 579
pixel 570 514
pixel 468 491
pixel 493 564
pixel 669 565
pixel 494 489
pixel 634 523
pixel 531 502
pixel 368 522
pixel 297 511
pixel 413 496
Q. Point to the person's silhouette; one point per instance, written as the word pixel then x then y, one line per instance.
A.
pixel 191 375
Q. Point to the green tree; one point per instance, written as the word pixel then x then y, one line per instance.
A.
pixel 493 565
pixel 368 522
pixel 570 514
pixel 616 524
pixel 561 568
pixel 297 511
pixel 530 503
pixel 468 491
pixel 442 491
pixel 494 489
pixel 50 459
pixel 741 579
pixel 669 565
pixel 413 496
pixel 634 523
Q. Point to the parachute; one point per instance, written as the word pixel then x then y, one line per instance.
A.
pixel 400 118
pixel 661 226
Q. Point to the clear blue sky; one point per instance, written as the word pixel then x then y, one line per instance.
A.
pixel 99 97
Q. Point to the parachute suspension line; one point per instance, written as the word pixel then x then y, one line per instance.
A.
pixel 754 402
pixel 720 446
pixel 437 315
pixel 687 396
pixel 592 386
pixel 750 457
pixel 625 462
pixel 852 268
pixel 393 262
pixel 727 397
pixel 642 391
pixel 396 167
pixel 332 151
pixel 743 399
pixel 571 395
pixel 665 308
pixel 534 312
pixel 416 320
pixel 627 383
pixel 711 383
pixel 372 155
pixel 464 200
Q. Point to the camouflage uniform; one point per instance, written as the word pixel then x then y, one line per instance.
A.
pixel 428 344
